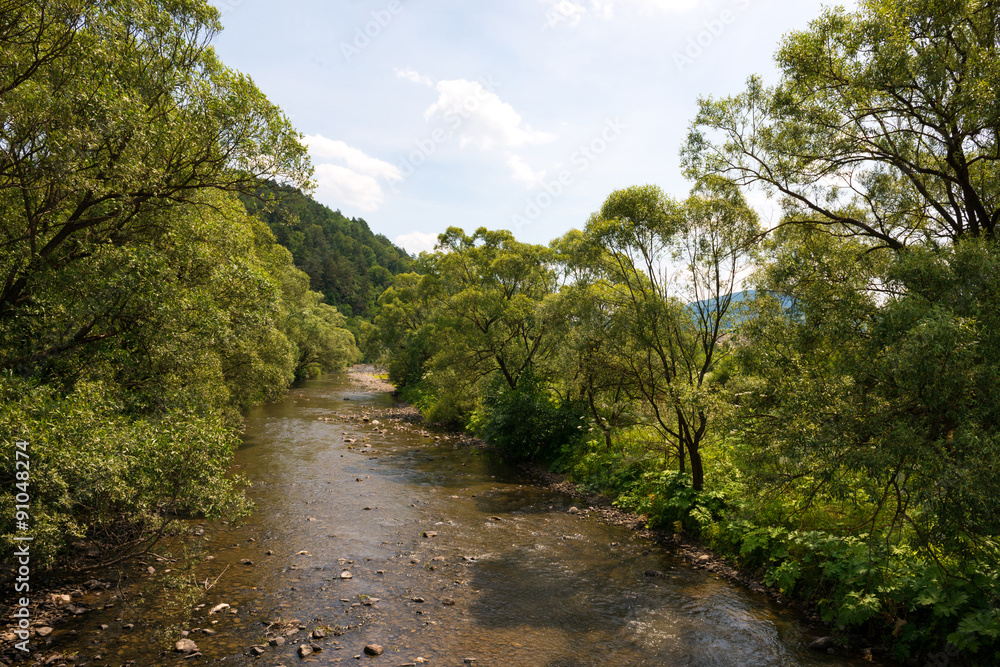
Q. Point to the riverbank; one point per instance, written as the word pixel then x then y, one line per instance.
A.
pixel 696 552
pixel 373 529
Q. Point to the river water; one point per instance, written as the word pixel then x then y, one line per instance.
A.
pixel 453 558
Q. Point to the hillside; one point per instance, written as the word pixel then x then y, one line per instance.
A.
pixel 347 262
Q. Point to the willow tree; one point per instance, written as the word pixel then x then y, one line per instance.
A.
pixel 670 270
pixel 884 124
pixel 114 112
pixel 141 309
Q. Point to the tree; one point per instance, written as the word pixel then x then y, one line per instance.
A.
pixel 483 305
pixel 142 311
pixel 884 124
pixel 488 290
pixel 667 325
pixel 113 113
pixel 403 330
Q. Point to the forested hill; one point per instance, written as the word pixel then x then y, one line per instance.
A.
pixel 347 262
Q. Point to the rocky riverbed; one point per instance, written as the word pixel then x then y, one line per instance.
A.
pixel 376 539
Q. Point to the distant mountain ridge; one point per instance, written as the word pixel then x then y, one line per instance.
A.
pixel 741 297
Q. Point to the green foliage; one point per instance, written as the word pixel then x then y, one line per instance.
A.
pixel 669 499
pixel 345 261
pixel 100 475
pixel 883 124
pixel 141 310
pixel 528 422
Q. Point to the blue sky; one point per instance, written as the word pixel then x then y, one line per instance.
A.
pixel 524 115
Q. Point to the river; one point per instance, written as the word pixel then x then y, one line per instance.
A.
pixel 378 533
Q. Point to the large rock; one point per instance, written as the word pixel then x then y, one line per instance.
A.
pixel 185 646
pixel 821 643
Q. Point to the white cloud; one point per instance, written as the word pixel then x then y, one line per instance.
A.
pixel 521 171
pixel 414 76
pixel 322 148
pixel 566 11
pixel 337 184
pixel 355 181
pixel 480 118
pixel 416 242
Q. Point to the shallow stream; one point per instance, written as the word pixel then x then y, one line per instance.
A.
pixel 452 557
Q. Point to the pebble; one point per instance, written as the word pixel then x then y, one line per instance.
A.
pixel 374 649
pixel 346 575
pixel 305 650
pixel 43 631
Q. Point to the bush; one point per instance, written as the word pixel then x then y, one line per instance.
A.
pixel 529 423
pixel 104 477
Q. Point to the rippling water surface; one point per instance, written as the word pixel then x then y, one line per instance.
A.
pixel 452 556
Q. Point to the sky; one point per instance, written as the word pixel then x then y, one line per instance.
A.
pixel 523 114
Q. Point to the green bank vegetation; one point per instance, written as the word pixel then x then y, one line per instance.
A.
pixel 817 401
pixel 833 429
pixel 142 310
